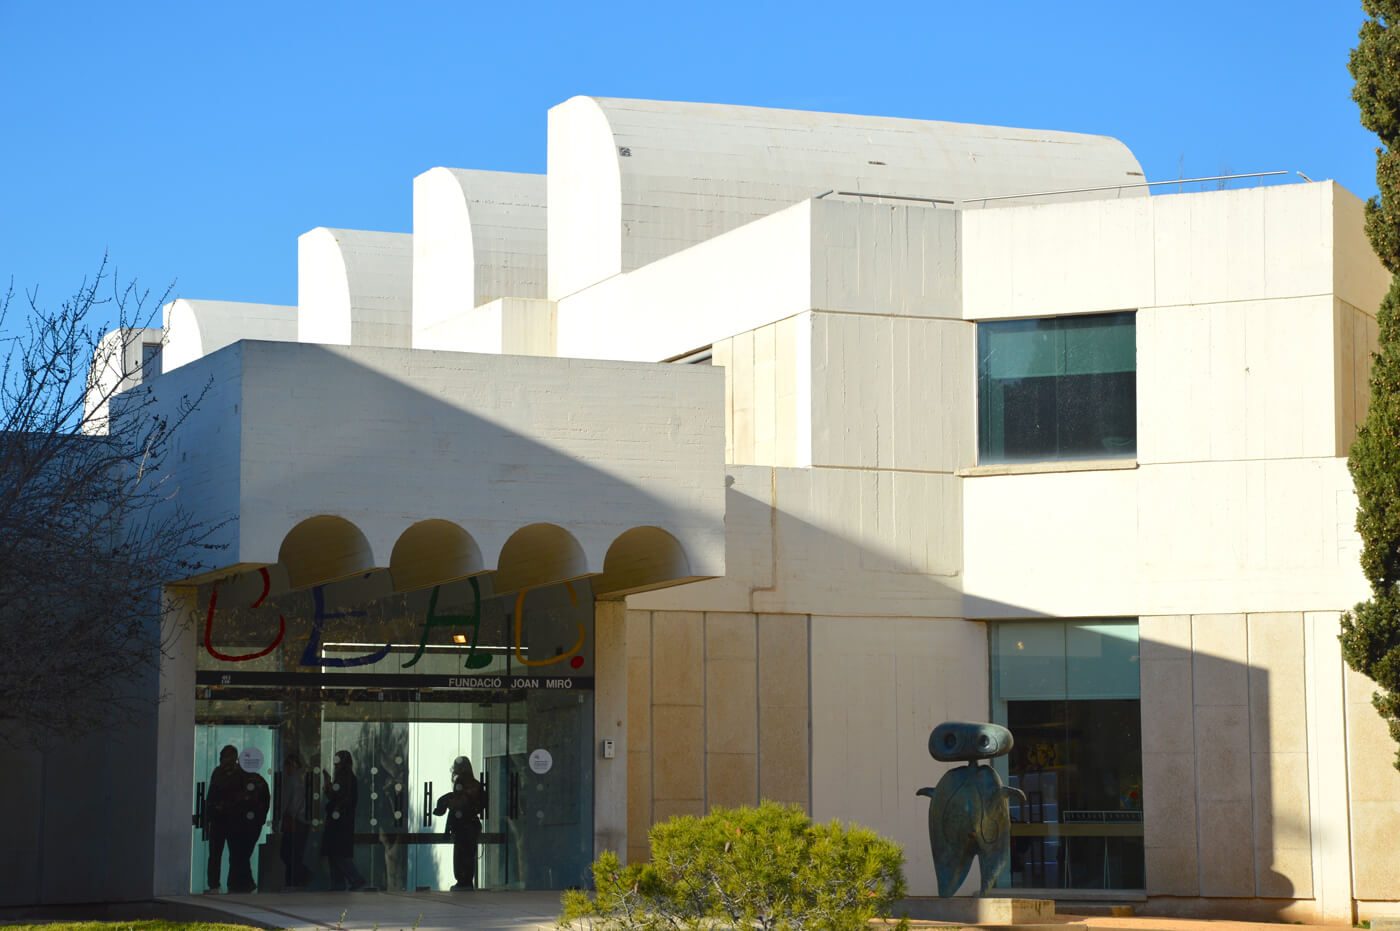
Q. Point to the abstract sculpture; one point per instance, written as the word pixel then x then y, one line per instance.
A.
pixel 968 814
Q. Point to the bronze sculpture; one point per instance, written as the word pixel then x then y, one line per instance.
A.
pixel 968 814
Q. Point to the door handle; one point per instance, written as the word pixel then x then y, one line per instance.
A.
pixel 427 805
pixel 307 797
pixel 198 818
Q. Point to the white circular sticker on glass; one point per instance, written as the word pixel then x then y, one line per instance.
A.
pixel 541 762
pixel 250 760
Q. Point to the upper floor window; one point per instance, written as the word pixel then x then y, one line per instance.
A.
pixel 150 360
pixel 1057 388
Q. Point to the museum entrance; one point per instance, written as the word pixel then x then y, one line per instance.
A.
pixel 437 740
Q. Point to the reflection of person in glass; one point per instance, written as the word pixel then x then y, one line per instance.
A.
pixel 218 808
pixel 463 807
pixel 238 801
pixel 342 793
pixel 292 822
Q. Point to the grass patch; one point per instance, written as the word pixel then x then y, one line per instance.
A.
pixel 130 926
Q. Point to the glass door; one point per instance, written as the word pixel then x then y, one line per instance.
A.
pixel 254 752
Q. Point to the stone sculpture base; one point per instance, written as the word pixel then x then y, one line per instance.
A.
pixel 969 910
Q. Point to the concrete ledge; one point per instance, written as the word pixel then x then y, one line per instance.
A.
pixel 1036 468
pixel 967 910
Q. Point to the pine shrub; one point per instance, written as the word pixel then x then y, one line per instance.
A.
pixel 768 868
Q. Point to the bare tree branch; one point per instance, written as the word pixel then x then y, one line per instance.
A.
pixel 88 531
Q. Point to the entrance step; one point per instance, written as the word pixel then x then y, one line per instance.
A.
pixel 976 910
pixel 1097 909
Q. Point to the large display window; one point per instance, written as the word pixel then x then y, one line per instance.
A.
pixel 1070 694
pixel 430 740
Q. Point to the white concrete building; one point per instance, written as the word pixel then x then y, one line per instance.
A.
pixel 809 432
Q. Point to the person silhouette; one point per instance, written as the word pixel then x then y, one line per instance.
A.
pixel 463 807
pixel 342 794
pixel 218 817
pixel 246 813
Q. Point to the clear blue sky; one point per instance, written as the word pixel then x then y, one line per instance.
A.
pixel 196 141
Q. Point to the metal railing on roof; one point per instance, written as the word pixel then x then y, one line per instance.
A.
pixel 1222 179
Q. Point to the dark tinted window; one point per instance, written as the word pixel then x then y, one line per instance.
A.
pixel 1057 388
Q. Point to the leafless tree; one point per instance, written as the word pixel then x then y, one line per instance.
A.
pixel 88 527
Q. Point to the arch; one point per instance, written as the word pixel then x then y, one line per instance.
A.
pixel 641 559
pixel 431 552
pixel 322 549
pixel 539 554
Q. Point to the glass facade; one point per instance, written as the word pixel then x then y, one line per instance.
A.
pixel 1069 692
pixel 1057 388
pixel 406 685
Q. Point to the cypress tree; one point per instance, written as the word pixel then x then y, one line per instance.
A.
pixel 1371 631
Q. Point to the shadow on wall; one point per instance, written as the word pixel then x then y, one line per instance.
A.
pixel 330 437
pixel 1227 787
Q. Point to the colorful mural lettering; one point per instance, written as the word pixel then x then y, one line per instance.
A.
pixel 576 662
pixel 453 620
pixel 311 656
pixel 243 657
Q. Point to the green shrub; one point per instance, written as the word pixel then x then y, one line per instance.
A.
pixel 769 868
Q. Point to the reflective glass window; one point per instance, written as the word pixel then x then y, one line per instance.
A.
pixel 1069 693
pixel 1057 388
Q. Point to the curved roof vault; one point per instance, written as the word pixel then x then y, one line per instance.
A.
pixel 477 236
pixel 632 181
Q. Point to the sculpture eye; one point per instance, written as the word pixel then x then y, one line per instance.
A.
pixel 984 742
pixel 950 740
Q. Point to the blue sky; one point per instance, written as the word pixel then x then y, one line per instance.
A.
pixel 196 141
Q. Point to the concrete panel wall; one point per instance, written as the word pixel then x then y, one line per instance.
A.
pixel 767 393
pixel 892 393
pixel 1243 380
pixel 510 326
pixel 1355 340
pixel 77 811
pixel 870 742
pixel 1240 740
pixel 753 276
pixel 885 258
pixel 1375 796
pixel 1169 539
pixel 1169 250
pixel 829 254
pixel 717 714
pixel 1358 278
pixel 841 541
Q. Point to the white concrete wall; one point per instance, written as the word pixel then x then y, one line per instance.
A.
pixel 633 181
pixel 507 325
pixel 879 685
pixel 386 437
pixel 1171 250
pixel 355 288
pixel 194 329
pixel 829 254
pixel 477 236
